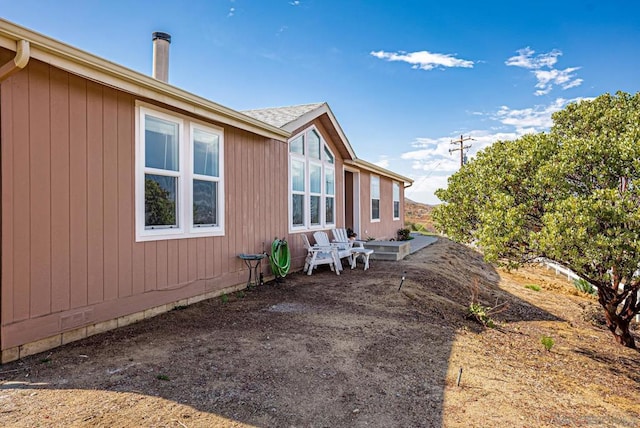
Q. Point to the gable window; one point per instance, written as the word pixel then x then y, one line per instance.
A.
pixel 396 201
pixel 179 190
pixel 312 182
pixel 375 197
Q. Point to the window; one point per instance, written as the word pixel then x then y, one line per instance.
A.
pixel 312 182
pixel 315 192
pixel 396 201
pixel 162 172
pixel 179 186
pixel 206 176
pixel 375 197
pixel 330 192
pixel 297 192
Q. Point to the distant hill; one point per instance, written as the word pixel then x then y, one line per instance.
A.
pixel 418 213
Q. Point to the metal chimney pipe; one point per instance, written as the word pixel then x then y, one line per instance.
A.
pixel 161 43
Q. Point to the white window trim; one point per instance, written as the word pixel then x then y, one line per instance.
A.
pixel 218 229
pixel 307 226
pixel 184 198
pixel 374 220
pixel 395 185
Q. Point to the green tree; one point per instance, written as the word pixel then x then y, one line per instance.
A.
pixel 160 207
pixel 571 195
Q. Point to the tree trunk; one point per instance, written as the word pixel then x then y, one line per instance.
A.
pixel 619 326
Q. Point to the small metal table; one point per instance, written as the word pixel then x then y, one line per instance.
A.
pixel 253 263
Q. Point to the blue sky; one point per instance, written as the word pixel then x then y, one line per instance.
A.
pixel 404 78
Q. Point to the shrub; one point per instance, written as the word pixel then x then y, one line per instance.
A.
pixel 404 234
pixel 480 313
pixel 547 342
pixel 584 286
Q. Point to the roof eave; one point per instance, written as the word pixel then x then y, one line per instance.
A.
pixel 362 164
pixel 92 67
pixel 309 116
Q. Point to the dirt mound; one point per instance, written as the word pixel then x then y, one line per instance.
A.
pixel 348 350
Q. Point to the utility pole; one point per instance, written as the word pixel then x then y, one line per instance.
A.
pixel 462 147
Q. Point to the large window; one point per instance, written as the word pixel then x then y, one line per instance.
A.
pixel 312 182
pixel 396 201
pixel 179 181
pixel 375 197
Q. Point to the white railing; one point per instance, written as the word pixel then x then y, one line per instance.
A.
pixel 571 275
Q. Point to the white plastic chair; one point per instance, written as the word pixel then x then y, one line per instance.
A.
pixel 319 255
pixel 343 249
pixel 356 247
pixel 340 237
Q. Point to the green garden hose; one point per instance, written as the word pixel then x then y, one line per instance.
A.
pixel 280 258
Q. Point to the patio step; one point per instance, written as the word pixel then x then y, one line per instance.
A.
pixel 388 250
pixel 385 255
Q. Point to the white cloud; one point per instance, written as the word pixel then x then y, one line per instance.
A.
pixel 542 67
pixel 440 155
pixel 547 78
pixel 295 3
pixel 572 84
pixel 232 11
pixel 432 162
pixel 424 187
pixel 383 162
pixel 424 60
pixel 533 119
pixel 433 166
pixel 525 59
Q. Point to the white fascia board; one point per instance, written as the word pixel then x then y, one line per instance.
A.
pixel 92 67
pixel 368 166
pixel 309 116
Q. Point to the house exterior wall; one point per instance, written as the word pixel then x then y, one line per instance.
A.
pixel 69 256
pixel 386 227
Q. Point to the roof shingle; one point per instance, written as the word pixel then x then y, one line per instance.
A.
pixel 280 116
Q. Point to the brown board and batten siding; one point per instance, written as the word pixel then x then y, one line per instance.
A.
pixel 69 256
pixel 387 227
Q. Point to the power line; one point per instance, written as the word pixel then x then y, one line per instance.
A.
pixel 432 169
pixel 462 148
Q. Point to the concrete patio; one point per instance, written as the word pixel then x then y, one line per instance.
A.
pixel 398 250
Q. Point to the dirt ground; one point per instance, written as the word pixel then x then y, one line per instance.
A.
pixel 329 351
